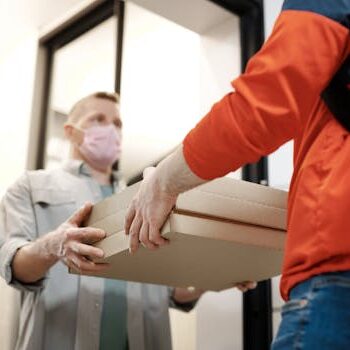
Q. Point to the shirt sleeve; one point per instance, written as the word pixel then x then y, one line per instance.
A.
pixel 17 228
pixel 272 100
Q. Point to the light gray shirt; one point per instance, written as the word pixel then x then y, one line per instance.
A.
pixel 63 311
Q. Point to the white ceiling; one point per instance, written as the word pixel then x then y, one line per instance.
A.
pixel 18 17
pixel 35 13
pixel 196 15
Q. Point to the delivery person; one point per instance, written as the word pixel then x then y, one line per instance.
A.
pixel 40 236
pixel 295 88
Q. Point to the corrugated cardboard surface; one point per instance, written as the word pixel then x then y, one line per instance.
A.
pixel 220 233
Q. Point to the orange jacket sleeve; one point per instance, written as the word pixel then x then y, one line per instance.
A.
pixel 273 99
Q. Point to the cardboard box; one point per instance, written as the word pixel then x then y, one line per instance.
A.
pixel 220 233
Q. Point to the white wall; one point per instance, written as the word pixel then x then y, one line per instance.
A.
pixel 17 68
pixel 272 8
pixel 219 321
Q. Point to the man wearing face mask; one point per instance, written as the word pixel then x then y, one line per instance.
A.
pixel 38 242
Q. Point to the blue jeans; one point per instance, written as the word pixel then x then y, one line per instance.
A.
pixel 317 317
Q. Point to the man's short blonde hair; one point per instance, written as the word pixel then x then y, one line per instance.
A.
pixel 79 107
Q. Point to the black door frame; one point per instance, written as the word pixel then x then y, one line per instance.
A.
pixel 257 304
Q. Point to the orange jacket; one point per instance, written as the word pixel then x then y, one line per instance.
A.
pixel 279 98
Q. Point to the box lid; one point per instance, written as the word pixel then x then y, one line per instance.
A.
pixel 223 198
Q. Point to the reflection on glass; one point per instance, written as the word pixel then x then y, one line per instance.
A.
pixel 171 76
pixel 85 65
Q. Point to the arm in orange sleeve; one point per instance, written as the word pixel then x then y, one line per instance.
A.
pixel 272 99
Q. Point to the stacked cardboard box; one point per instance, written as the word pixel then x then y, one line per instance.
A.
pixel 220 233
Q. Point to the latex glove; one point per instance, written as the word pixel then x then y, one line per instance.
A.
pixel 147 213
pixel 155 199
pixel 72 244
pixel 185 295
pixel 245 286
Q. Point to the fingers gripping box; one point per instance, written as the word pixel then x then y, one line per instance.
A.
pixel 220 233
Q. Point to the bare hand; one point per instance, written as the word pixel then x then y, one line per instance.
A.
pixel 72 244
pixel 147 213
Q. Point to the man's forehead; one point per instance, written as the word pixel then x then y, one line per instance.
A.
pixel 92 106
pixel 100 103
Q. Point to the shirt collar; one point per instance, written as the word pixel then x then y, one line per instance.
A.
pixel 77 167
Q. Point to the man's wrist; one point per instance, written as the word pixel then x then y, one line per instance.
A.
pixel 175 176
pixel 32 261
pixel 45 247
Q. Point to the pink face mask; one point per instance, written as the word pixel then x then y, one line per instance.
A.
pixel 101 146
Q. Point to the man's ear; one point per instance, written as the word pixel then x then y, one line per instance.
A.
pixel 68 130
pixel 74 135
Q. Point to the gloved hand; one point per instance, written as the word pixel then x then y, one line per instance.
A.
pixel 72 244
pixel 148 212
pixel 185 295
pixel 156 197
pixel 68 243
pixel 245 286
